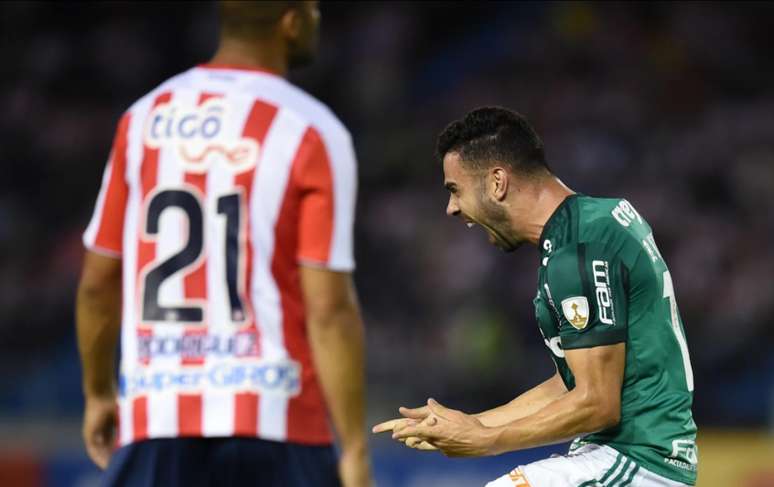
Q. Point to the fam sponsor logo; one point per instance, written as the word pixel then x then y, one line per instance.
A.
pixel 601 274
pixel 201 135
pixel 242 344
pixel 280 378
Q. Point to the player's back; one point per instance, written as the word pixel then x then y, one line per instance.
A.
pixel 221 182
pixel 609 284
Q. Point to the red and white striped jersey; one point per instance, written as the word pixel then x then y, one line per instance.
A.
pixel 221 182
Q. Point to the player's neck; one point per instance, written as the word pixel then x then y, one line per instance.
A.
pixel 548 196
pixel 264 55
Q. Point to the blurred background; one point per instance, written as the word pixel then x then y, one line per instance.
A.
pixel 670 105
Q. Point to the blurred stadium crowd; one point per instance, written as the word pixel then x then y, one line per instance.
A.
pixel 668 105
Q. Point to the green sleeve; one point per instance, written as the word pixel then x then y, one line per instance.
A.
pixel 588 286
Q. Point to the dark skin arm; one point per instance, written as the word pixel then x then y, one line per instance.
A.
pixel 337 342
pixel 98 324
pixel 593 405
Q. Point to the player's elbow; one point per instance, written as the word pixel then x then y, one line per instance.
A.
pixel 603 411
pixel 607 416
pixel 327 312
pixel 99 275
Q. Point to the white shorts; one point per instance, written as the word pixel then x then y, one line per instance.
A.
pixel 588 466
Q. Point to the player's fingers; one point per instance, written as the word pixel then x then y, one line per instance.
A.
pixel 419 444
pixel 99 454
pixel 412 441
pixel 415 413
pixel 386 426
pixel 412 430
pixel 425 446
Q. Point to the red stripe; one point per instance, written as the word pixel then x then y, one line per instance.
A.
pixel 110 231
pixel 140 418
pixel 195 282
pixel 146 250
pixel 146 253
pixel 316 214
pixel 246 414
pixel 307 420
pixel 189 418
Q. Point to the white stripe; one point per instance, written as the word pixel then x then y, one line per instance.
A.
pixel 269 186
pixel 90 235
pixel 341 155
pixel 162 414
pixel 127 421
pixel 172 236
pixel 629 468
pixel 217 414
pixel 617 470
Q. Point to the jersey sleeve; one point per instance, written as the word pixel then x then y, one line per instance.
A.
pixel 588 287
pixel 104 233
pixel 328 188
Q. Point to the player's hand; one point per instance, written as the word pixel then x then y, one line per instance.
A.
pixel 413 416
pixel 99 423
pixel 354 467
pixel 453 432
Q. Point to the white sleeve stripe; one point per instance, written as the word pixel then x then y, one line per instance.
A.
pixel 343 169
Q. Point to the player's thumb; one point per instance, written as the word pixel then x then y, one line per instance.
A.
pixel 415 413
pixel 436 407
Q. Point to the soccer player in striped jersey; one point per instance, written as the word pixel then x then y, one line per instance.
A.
pixel 606 308
pixel 220 250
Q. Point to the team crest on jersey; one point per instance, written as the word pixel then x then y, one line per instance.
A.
pixel 576 310
pixel 200 135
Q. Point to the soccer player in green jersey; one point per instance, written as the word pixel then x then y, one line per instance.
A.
pixel 605 306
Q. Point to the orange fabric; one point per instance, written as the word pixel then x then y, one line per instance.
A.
pixel 518 478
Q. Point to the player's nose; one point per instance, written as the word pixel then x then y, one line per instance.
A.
pixel 451 208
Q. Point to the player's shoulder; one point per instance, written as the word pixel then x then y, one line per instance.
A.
pixel 315 112
pixel 605 219
pixel 294 102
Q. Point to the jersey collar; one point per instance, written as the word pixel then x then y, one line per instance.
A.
pixel 552 220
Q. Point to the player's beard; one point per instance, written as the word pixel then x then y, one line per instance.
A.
pixel 495 220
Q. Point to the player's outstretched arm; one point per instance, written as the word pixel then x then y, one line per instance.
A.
pixel 98 322
pixel 525 404
pixel 336 338
pixel 594 404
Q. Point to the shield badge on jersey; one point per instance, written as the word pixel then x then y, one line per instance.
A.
pixel 576 310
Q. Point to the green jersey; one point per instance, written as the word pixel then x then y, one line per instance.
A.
pixel 603 281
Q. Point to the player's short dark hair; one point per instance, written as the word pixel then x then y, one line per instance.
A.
pixel 494 134
pixel 252 19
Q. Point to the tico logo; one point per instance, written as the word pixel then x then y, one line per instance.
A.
pixel 201 135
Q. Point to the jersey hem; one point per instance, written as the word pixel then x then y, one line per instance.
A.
pixel 594 339
pixel 317 264
pixel 291 441
pixel 116 254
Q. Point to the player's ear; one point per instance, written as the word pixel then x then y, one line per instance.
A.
pixel 290 24
pixel 499 182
